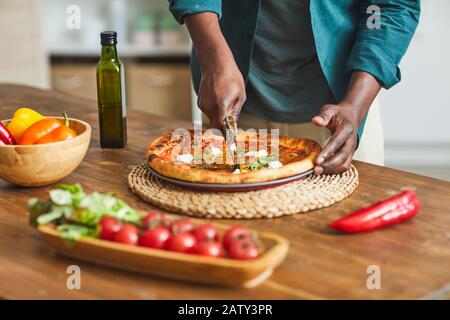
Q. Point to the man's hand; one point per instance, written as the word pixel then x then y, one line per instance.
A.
pixel 222 88
pixel 222 92
pixel 343 121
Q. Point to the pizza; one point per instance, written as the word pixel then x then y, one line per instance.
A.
pixel 204 156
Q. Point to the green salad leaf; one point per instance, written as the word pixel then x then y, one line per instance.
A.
pixel 56 212
pixel 75 190
pixel 76 213
pixel 36 208
pixel 96 205
pixel 61 197
pixel 49 217
pixel 72 232
pixel 72 188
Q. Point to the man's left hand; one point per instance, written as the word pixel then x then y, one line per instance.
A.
pixel 342 121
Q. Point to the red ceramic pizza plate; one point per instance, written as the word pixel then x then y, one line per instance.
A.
pixel 218 187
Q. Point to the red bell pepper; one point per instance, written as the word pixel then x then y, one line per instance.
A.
pixel 6 136
pixel 399 208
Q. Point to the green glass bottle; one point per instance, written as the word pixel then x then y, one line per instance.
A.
pixel 111 94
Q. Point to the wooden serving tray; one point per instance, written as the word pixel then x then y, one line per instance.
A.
pixel 180 266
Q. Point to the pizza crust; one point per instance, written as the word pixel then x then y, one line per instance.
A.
pixel 186 173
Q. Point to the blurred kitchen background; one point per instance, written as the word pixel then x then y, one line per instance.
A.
pixel 38 48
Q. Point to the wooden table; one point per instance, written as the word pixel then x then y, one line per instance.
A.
pixel 414 258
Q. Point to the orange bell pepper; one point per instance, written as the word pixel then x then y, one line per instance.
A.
pixel 47 131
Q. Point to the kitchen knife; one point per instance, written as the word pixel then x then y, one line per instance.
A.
pixel 230 127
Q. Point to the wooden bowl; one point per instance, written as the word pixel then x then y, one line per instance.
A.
pixel 43 164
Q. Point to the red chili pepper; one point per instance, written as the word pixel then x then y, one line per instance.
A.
pixel 6 136
pixel 399 208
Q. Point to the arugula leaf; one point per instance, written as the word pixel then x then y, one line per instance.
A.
pixel 262 162
pixel 273 157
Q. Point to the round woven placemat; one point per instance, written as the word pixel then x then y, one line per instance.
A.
pixel 312 192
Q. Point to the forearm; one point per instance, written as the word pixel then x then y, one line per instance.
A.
pixel 379 51
pixel 209 43
pixel 361 92
pixel 222 87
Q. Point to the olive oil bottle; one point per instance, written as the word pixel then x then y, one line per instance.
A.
pixel 111 94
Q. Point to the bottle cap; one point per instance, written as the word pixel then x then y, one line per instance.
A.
pixel 108 37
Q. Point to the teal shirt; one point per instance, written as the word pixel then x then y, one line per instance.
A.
pixel 285 80
pixel 343 41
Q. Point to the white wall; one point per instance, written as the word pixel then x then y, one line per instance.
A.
pixel 23 57
pixel 416 113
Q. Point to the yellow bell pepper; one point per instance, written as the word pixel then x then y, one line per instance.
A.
pixel 22 120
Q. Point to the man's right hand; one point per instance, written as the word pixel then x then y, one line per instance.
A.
pixel 222 93
pixel 222 88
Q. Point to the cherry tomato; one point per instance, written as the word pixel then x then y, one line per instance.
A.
pixel 235 233
pixel 183 242
pixel 128 234
pixel 109 226
pixel 210 249
pixel 182 226
pixel 152 219
pixel 206 232
pixel 157 238
pixel 244 249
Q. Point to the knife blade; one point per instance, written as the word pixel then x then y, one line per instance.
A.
pixel 230 127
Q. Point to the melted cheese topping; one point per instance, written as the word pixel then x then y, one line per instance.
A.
pixel 275 164
pixel 185 158
pixel 215 151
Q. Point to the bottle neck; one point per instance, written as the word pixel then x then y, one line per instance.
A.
pixel 109 52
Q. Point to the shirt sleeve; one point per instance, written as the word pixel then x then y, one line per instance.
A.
pixel 378 51
pixel 182 8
